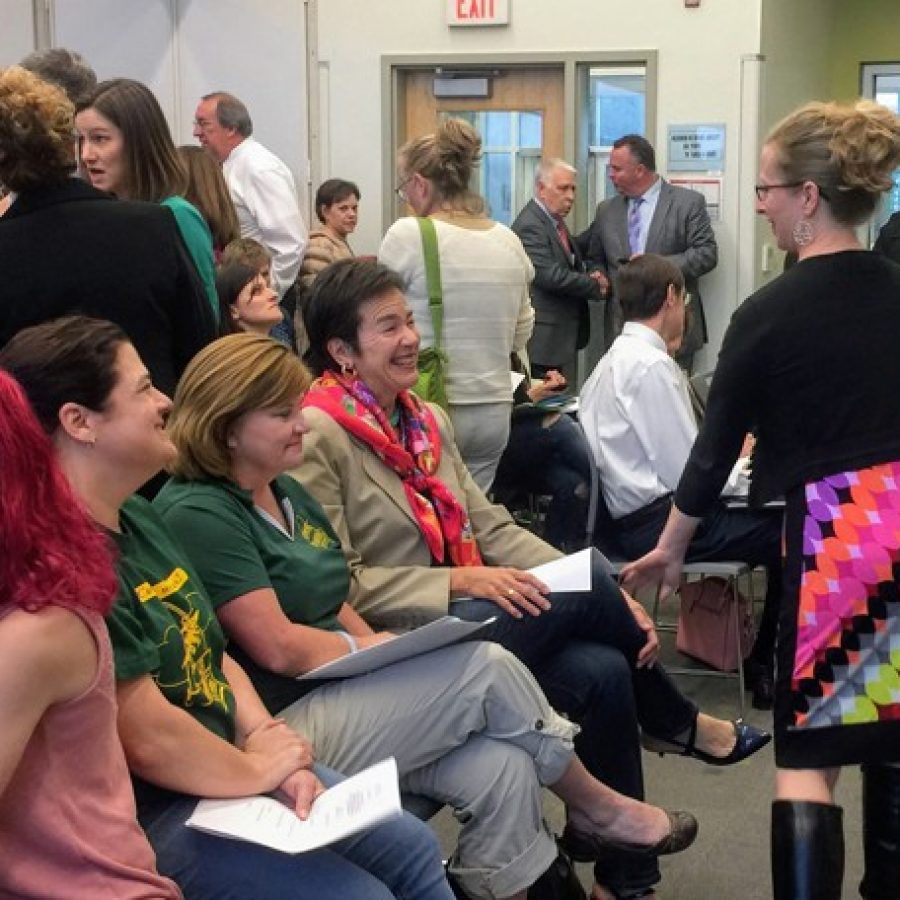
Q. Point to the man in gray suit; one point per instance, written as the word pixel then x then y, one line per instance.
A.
pixel 649 215
pixel 562 287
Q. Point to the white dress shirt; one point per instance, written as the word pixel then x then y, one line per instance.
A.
pixel 265 198
pixel 636 413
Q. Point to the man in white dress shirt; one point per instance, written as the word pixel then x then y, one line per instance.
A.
pixel 261 185
pixel 637 416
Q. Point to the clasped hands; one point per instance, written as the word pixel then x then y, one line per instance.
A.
pixel 288 758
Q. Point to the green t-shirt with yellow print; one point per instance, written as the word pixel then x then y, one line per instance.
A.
pixel 163 624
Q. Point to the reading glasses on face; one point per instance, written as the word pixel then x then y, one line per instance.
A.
pixel 762 190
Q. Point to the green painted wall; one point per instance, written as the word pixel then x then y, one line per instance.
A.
pixel 863 31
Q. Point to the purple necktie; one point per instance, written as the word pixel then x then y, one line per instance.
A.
pixel 634 225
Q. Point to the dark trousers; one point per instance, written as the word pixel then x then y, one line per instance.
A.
pixel 549 459
pixel 751 536
pixel 582 652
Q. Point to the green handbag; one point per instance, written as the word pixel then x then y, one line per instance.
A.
pixel 433 361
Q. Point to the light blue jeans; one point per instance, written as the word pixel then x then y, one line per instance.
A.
pixel 399 859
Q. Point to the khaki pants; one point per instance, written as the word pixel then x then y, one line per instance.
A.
pixel 469 726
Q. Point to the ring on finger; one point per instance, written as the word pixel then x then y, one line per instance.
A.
pixel 510 592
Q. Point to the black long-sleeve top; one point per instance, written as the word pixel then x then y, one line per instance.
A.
pixel 811 362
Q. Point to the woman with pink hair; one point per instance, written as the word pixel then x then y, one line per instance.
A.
pixel 67 812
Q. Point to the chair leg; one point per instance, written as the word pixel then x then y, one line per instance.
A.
pixel 807 850
pixel 739 643
pixel 881 832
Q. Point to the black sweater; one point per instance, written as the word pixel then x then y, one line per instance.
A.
pixel 811 362
pixel 72 249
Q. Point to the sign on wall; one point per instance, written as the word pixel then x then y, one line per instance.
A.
pixel 710 188
pixel 477 12
pixel 696 148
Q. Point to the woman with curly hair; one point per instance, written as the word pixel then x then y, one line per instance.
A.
pixel 67 812
pixel 66 246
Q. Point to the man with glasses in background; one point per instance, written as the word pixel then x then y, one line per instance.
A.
pixel 262 189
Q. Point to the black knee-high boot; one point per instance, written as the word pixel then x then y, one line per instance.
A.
pixel 881 832
pixel 807 850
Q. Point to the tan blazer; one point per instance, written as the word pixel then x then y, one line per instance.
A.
pixel 393 583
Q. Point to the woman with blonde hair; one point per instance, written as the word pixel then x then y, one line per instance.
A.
pixel 467 724
pixel 810 363
pixel 485 273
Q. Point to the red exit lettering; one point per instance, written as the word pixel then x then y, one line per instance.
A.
pixel 475 9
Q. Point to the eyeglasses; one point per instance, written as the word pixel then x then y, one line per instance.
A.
pixel 399 189
pixel 203 124
pixel 762 190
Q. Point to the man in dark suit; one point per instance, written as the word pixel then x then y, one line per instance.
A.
pixel 562 287
pixel 649 215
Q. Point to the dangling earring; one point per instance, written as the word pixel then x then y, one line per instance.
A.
pixel 348 370
pixel 802 233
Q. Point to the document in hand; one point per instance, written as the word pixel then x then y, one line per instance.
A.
pixel 368 798
pixel 569 573
pixel 439 633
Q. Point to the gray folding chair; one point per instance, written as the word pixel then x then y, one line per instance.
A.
pixel 600 532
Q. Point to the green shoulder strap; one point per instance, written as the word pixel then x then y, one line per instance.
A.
pixel 432 276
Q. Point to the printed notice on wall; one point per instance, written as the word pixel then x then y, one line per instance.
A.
pixel 711 188
pixel 696 148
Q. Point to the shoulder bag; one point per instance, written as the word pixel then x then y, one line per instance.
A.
pixel 433 361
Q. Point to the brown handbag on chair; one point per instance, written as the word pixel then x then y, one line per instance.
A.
pixel 706 623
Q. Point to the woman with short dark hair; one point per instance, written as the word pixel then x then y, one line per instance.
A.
pixel 423 540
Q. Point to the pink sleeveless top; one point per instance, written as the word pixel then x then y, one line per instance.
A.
pixel 67 818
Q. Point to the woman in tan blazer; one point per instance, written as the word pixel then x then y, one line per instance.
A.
pixel 421 540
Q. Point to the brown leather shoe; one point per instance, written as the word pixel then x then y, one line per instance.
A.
pixel 584 847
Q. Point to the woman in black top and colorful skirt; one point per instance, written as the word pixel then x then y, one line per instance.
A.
pixel 811 363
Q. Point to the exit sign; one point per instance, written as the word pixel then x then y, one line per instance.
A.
pixel 477 12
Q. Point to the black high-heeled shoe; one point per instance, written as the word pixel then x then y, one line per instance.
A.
pixel 747 740
pixel 586 847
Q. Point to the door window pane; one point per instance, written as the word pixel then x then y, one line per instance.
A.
pixel 617 105
pixel 881 83
pixel 511 143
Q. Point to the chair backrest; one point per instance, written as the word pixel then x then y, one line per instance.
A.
pixel 698 388
pixel 600 530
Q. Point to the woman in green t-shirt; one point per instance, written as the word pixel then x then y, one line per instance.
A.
pixel 457 719
pixel 189 720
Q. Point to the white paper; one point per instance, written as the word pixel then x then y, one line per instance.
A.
pixel 570 573
pixel 440 633
pixel 366 799
pixel 515 379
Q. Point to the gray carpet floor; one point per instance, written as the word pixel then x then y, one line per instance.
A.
pixel 730 858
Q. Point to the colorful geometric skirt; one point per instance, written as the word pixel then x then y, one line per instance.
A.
pixel 838 682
